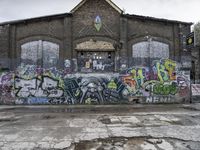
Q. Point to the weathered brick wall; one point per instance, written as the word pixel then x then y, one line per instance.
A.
pixel 138 30
pixel 196 68
pixel 50 30
pixel 84 17
pixel 4 46
pixel 53 30
pixel 162 31
pixel 197 75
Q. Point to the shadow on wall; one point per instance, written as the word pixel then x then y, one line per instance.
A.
pixel 162 82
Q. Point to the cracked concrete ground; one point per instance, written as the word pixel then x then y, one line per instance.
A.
pixel 138 127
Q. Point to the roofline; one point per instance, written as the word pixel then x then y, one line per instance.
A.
pixel 155 19
pixel 108 1
pixel 77 6
pixel 48 17
pixel 62 15
pixel 115 6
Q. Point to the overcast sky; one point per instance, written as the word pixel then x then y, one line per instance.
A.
pixel 182 10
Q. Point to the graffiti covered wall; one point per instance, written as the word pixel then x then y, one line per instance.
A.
pixel 162 82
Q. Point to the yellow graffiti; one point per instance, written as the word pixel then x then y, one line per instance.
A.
pixel 134 73
pixel 162 74
pixel 170 67
pixel 138 76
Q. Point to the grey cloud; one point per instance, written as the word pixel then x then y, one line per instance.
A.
pixel 20 9
pixel 183 10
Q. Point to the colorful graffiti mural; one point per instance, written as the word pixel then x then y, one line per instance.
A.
pixel 6 82
pixel 162 82
pixel 164 70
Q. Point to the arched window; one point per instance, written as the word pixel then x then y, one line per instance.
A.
pixel 145 52
pixel 43 53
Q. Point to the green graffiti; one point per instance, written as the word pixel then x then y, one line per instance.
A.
pixel 88 101
pixel 139 76
pixel 160 89
pixel 112 85
pixel 162 74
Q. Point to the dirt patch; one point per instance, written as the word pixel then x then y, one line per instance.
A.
pixel 137 143
pixel 191 108
pixel 47 117
pixel 101 144
pixel 104 120
pixel 8 119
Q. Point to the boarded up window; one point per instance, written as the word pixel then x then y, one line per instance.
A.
pixel 147 51
pixel 43 53
pixel 50 54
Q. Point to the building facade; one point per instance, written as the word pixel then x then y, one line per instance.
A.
pixel 95 54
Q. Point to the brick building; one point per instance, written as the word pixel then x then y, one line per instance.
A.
pixel 86 28
pixel 95 37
